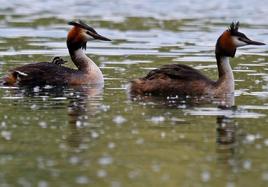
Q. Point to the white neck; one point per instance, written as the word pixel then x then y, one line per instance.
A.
pixel 225 82
pixel 87 66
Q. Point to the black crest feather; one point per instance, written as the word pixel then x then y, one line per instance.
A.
pixel 82 25
pixel 234 27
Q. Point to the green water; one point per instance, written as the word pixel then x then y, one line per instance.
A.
pixel 84 136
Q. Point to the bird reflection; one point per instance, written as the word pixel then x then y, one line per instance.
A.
pixel 226 129
pixel 83 102
pixel 226 132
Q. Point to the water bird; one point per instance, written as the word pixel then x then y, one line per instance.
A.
pixel 179 79
pixel 53 73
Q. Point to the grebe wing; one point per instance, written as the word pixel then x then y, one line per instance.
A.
pixel 176 71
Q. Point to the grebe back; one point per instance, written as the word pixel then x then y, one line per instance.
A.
pixel 46 73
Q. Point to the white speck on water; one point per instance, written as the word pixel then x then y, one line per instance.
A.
pixel 36 89
pixel 258 146
pixel 50 163
pixel 78 124
pixel 63 146
pixel 165 177
pixel 34 106
pixel 5 159
pixel 140 141
pixel 105 160
pixel 230 184
pixel 82 180
pixel 48 87
pixel 247 164
pixel 157 119
pixel 74 160
pixel 3 124
pixel 115 184
pixel 174 119
pixel 94 134
pixel 24 182
pixel 266 142
pixel 265 176
pixel 44 98
pixel 205 176
pixel 119 120
pixel 163 135
pixel 182 136
pixel 111 145
pixel 134 131
pixel 250 138
pixel 42 184
pixel 83 146
pixel 257 81
pixel 104 108
pixel 12 98
pixel 156 167
pixel 6 135
pixel 59 98
pixel 101 173
pixel 42 124
pixel 133 174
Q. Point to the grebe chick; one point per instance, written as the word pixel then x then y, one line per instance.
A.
pixel 57 60
pixel 178 79
pixel 52 73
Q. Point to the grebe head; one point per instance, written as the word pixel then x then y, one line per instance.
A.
pixel 81 33
pixel 232 39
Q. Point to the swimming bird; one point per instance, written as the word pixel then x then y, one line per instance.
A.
pixel 52 73
pixel 181 80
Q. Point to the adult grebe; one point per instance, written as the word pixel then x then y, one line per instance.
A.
pixel 178 79
pixel 46 73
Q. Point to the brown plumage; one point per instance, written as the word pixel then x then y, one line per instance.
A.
pixel 177 79
pixel 41 73
pixel 52 73
pixel 173 79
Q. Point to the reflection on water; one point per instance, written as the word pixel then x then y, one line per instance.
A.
pixel 227 140
pixel 224 101
pixel 226 131
pixel 56 136
pixel 83 105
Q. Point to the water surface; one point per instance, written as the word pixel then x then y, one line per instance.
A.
pixel 82 136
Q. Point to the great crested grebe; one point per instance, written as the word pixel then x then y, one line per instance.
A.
pixel 178 79
pixel 52 73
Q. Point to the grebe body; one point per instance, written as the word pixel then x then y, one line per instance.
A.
pixel 52 73
pixel 178 79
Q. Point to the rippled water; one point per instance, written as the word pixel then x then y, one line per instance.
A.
pixel 88 136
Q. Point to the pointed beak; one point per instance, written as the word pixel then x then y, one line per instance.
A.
pixel 251 42
pixel 100 37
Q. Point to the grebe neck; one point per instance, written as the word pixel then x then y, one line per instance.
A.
pixel 225 81
pixel 86 65
pixel 80 59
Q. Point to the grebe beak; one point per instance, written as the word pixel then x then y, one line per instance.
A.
pixel 251 42
pixel 99 37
